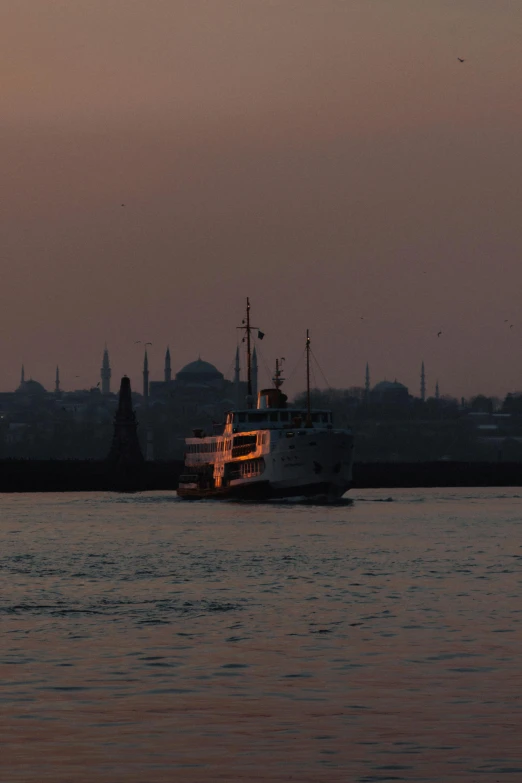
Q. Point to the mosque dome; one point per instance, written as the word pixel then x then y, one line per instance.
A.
pixel 389 386
pixel 31 387
pixel 390 392
pixel 199 372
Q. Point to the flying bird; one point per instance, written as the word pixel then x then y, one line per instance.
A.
pixel 136 342
pixel 461 60
pixel 123 205
pixel 439 334
pixel 148 343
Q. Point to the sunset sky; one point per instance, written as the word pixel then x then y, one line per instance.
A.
pixel 331 159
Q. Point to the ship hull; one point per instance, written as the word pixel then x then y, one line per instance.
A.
pixel 264 491
pixel 296 463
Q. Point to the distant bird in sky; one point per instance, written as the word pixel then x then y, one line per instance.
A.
pixel 123 205
pixel 136 342
pixel 461 60
pixel 506 320
pixel 148 343
pixel 510 326
pixel 439 334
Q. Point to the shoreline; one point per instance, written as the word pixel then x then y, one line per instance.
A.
pixel 17 475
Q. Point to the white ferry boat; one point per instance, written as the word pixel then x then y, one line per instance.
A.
pixel 270 451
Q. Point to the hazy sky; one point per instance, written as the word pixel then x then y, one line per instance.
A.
pixel 331 159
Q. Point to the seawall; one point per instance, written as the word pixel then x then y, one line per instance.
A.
pixel 389 475
pixel 92 475
pixel 82 476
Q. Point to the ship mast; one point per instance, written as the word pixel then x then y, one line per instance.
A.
pixel 249 353
pixel 278 379
pixel 308 405
pixel 246 325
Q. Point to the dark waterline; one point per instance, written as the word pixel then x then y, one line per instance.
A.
pixel 147 639
pixel 98 476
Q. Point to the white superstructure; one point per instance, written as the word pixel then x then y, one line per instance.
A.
pixel 270 452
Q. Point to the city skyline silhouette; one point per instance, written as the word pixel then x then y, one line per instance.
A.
pixel 334 161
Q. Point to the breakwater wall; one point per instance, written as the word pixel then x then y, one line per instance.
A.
pixel 389 475
pixel 83 476
pixel 92 475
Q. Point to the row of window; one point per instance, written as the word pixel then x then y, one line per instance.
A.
pixel 318 417
pixel 252 467
pixel 208 448
pixel 246 469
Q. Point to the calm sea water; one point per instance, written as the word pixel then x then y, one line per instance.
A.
pixel 149 639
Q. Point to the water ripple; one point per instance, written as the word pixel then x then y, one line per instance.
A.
pixel 376 640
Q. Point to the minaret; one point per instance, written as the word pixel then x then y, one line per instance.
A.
pixel 168 371
pixel 237 386
pixel 22 378
pixel 106 373
pixel 437 393
pixel 254 374
pixel 146 378
pixel 423 384
pixel 367 382
pixel 57 389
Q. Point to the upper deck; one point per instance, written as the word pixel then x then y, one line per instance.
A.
pixel 254 422
pixel 275 418
pixel 254 429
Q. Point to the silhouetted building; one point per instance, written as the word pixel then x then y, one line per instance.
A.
pixel 167 372
pixel 390 393
pixel 198 383
pixel 31 388
pixel 146 378
pixel 106 373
